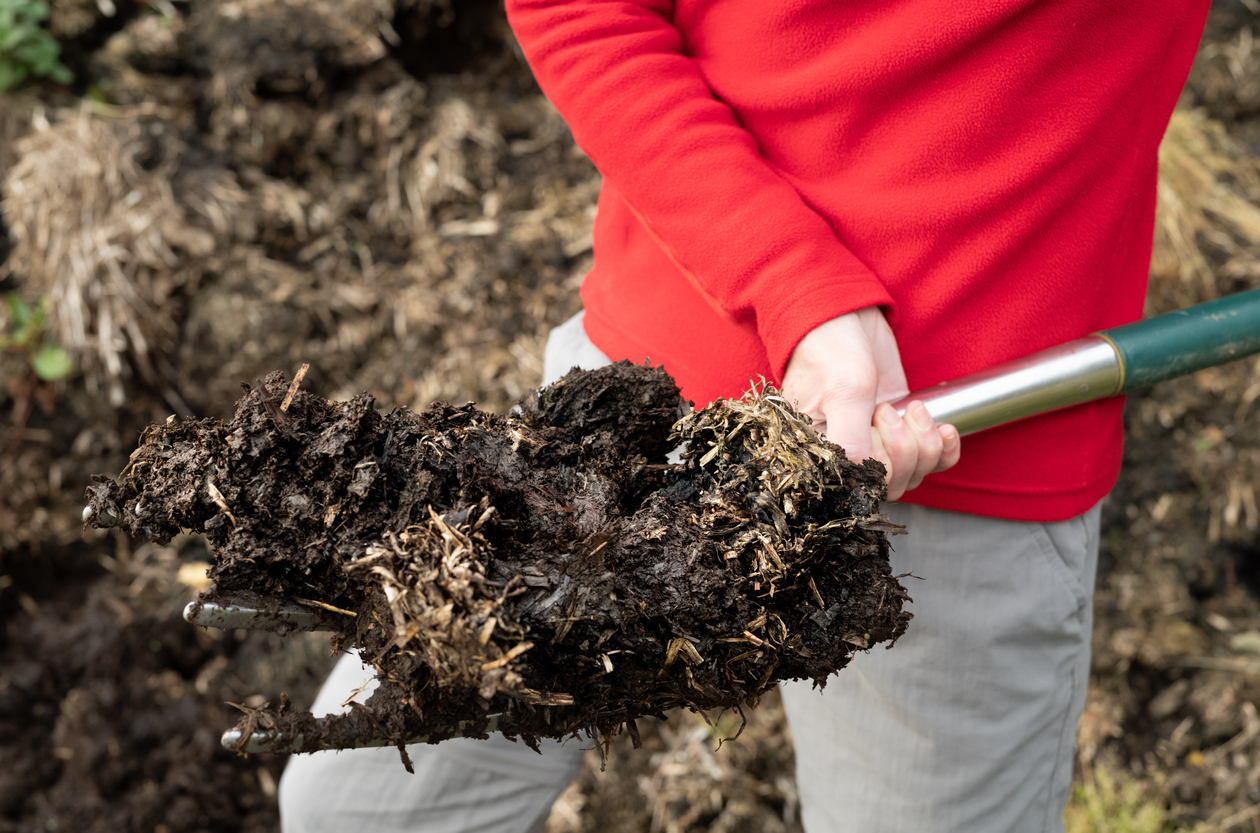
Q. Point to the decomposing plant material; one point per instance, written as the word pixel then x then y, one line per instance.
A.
pixel 549 565
pixel 1208 227
pixel 104 214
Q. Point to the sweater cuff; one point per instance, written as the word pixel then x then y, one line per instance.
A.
pixel 783 326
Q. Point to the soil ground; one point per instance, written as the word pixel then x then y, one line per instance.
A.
pixel 413 227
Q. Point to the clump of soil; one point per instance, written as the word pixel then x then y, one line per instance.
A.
pixel 551 565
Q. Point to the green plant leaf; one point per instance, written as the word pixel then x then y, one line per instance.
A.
pixel 19 310
pixel 10 38
pixel 52 363
pixel 26 47
pixel 26 322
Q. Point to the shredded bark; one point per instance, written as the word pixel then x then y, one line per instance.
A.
pixel 550 566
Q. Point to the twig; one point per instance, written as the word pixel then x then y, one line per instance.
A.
pixel 324 605
pixel 293 386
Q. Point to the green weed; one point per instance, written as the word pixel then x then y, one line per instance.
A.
pixel 1106 804
pixel 26 47
pixel 25 334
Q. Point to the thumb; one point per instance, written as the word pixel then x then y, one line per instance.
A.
pixel 848 425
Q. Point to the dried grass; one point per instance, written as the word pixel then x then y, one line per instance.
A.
pixel 1226 76
pixel 439 601
pixel 109 217
pixel 1208 222
pixel 416 239
pixel 765 464
pixel 17 112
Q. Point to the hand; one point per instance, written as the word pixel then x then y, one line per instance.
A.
pixel 838 374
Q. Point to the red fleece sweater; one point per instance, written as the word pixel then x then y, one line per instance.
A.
pixel 985 171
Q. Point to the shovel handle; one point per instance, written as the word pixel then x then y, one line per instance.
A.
pixel 1107 363
pixel 1181 342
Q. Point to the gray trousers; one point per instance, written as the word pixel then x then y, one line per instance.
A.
pixel 966 726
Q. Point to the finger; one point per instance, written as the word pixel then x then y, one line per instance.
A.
pixel 928 439
pixel 951 447
pixel 902 447
pixel 878 452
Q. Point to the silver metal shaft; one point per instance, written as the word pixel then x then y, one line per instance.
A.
pixel 268 740
pixel 248 613
pixel 1068 374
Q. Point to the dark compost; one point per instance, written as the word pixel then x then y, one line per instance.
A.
pixel 551 565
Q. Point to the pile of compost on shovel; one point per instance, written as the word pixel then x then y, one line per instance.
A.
pixel 551 565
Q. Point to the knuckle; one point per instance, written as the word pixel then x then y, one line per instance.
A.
pixel 905 442
pixel 855 384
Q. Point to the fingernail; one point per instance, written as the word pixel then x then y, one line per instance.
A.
pixel 949 437
pixel 918 413
pixel 886 414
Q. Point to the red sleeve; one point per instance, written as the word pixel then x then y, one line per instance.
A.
pixel 640 108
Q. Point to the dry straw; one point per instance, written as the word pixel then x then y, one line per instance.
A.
pixel 106 216
pixel 1208 229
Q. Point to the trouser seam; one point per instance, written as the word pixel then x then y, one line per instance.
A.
pixel 1066 745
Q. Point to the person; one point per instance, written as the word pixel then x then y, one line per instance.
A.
pixel 854 200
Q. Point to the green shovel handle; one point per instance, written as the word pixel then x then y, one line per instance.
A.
pixel 1181 342
pixel 1111 362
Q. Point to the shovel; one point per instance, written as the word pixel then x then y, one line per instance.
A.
pixel 1107 363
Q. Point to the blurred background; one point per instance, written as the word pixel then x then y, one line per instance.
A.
pixel 196 193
